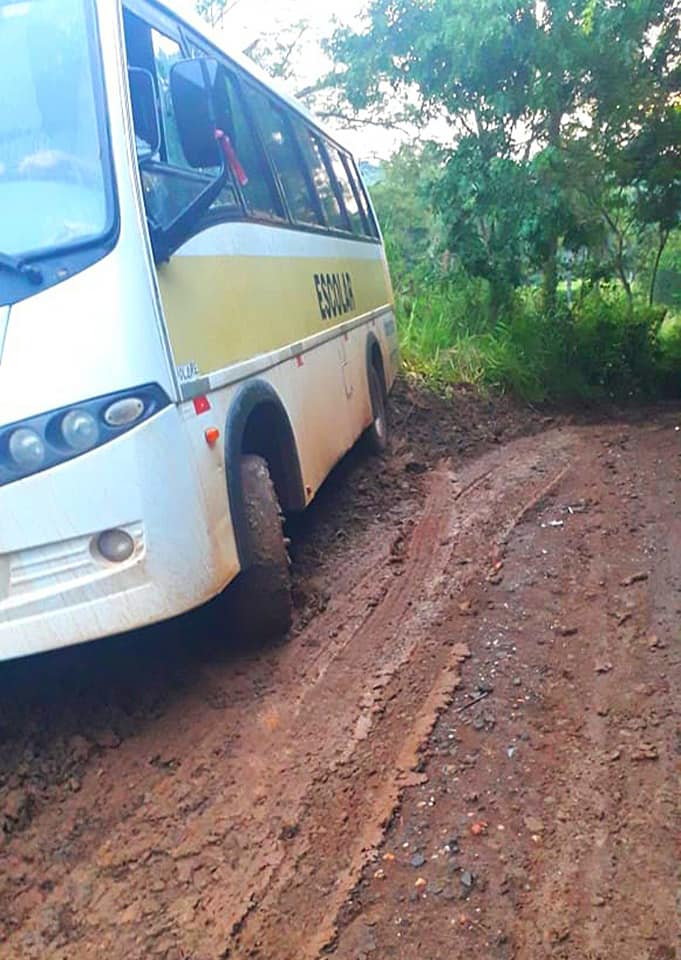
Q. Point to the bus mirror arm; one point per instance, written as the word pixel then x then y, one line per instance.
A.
pixel 166 240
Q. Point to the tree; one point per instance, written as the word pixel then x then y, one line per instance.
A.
pixel 651 165
pixel 215 11
pixel 535 96
pixel 276 52
pixel 481 200
pixel 401 196
pixel 668 286
pixel 494 71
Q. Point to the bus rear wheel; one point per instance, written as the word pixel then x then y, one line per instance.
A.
pixel 377 433
pixel 261 595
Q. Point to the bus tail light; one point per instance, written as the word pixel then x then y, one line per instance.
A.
pixel 51 438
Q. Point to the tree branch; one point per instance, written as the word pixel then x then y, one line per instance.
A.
pixel 304 27
pixel 353 122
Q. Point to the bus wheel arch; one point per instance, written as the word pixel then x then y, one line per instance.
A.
pixel 258 425
pixel 377 434
pixel 263 480
pixel 375 360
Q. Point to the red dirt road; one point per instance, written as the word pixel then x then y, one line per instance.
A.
pixel 470 746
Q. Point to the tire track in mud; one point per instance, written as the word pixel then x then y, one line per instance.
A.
pixel 467 522
pixel 619 811
pixel 251 827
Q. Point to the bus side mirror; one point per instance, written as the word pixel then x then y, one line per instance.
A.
pixel 191 90
pixel 144 111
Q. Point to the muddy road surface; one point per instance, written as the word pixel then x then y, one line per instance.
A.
pixel 469 747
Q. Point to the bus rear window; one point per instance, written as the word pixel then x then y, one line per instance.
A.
pixel 350 198
pixel 360 193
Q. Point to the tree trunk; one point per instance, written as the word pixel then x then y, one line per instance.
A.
pixel 498 297
pixel 623 273
pixel 568 281
pixel 583 279
pixel 664 236
pixel 627 287
pixel 550 288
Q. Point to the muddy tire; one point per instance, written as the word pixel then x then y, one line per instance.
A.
pixel 260 598
pixel 377 434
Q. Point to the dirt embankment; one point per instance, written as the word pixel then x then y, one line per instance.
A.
pixel 468 747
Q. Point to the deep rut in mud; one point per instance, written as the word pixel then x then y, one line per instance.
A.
pixel 241 814
pixel 548 821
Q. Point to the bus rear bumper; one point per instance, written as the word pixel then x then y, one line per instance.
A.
pixel 56 587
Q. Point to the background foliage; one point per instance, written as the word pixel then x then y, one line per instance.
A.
pixel 536 246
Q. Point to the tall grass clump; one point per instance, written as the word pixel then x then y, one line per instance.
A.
pixel 600 348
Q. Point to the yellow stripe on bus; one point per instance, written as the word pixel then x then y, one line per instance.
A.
pixel 222 310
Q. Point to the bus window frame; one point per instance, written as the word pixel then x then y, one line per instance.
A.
pixel 322 148
pixel 339 191
pixel 172 30
pixel 255 133
pixel 374 232
pixel 360 200
pixel 282 108
pixel 195 44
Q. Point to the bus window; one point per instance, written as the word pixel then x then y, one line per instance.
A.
pixel 314 158
pixel 166 53
pixel 355 179
pixel 283 149
pixel 170 184
pixel 259 192
pixel 52 183
pixel 349 197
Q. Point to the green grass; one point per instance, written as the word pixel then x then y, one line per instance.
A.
pixel 597 350
pixel 442 335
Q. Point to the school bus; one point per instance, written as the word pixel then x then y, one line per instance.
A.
pixel 196 323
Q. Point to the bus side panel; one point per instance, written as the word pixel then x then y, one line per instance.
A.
pixel 325 394
pixel 328 403
pixel 240 290
pixel 272 289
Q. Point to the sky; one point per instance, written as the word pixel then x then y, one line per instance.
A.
pixel 252 18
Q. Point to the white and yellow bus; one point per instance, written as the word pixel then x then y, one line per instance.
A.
pixel 196 322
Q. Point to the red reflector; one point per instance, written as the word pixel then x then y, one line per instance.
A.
pixel 212 436
pixel 201 405
pixel 299 360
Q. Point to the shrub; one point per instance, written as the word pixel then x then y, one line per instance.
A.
pixel 616 348
pixel 600 348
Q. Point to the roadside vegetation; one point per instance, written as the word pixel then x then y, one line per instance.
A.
pixel 536 246
pixel 595 343
pixel 533 213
